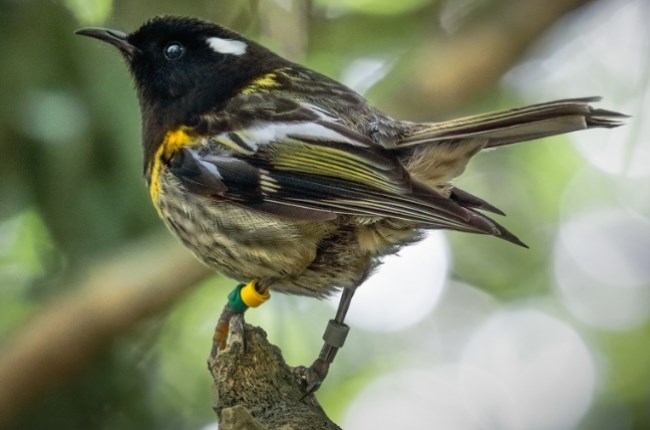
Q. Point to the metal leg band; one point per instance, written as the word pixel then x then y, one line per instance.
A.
pixel 335 334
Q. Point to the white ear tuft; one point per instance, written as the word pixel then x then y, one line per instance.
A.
pixel 227 46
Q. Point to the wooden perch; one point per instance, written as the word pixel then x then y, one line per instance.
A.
pixel 255 389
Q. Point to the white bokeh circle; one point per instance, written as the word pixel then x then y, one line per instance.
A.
pixel 601 265
pixel 541 374
pixel 410 399
pixel 405 288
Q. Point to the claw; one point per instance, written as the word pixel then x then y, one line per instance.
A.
pixel 334 338
pixel 312 376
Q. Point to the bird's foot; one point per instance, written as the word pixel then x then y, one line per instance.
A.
pixel 226 327
pixel 231 320
pixel 313 376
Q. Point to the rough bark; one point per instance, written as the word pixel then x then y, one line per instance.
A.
pixel 255 389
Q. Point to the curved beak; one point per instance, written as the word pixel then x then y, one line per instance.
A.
pixel 114 37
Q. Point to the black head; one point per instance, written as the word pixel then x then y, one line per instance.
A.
pixel 186 66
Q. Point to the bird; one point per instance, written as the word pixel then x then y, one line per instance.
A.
pixel 288 181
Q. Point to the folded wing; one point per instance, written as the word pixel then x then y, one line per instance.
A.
pixel 309 167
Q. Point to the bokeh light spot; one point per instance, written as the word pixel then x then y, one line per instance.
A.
pixel 410 399
pixel 54 117
pixel 542 375
pixel 363 73
pixel 602 268
pixel 405 288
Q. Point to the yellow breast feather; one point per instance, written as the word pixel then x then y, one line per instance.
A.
pixel 173 141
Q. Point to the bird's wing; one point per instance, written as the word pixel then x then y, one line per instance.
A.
pixel 295 161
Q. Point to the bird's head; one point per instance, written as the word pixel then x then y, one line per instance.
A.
pixel 186 63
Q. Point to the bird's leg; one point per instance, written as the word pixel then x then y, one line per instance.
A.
pixel 244 296
pixel 334 338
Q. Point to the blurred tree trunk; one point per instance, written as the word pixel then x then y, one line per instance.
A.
pixel 461 67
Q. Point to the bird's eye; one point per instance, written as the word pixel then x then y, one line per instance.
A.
pixel 174 51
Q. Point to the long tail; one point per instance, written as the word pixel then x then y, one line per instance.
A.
pixel 435 153
pixel 518 125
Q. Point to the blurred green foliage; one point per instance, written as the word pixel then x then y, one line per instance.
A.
pixel 71 192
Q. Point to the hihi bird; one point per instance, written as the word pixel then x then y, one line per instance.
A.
pixel 286 180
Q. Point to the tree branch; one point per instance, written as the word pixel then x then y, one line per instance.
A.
pixel 454 70
pixel 255 389
pixel 63 338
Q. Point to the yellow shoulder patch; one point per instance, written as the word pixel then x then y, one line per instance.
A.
pixel 176 139
pixel 265 82
pixel 173 141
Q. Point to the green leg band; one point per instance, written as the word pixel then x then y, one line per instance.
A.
pixel 235 301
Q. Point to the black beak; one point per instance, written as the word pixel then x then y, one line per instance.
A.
pixel 114 37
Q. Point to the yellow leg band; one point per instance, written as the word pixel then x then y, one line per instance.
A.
pixel 253 298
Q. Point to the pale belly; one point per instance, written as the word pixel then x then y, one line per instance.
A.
pixel 297 257
pixel 246 245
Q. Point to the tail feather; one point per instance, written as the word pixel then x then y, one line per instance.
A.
pixel 605 118
pixel 435 153
pixel 481 224
pixel 468 200
pixel 518 125
pixel 489 226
